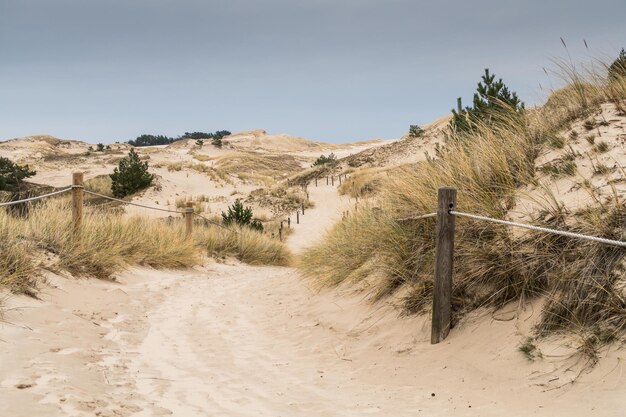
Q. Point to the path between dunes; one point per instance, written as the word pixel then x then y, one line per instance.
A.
pixel 237 340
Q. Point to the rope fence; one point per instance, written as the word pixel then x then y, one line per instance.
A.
pixel 39 197
pixel 541 229
pixel 130 203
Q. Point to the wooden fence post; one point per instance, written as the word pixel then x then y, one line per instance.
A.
pixel 280 233
pixel 289 222
pixel 332 177
pixel 326 179
pixel 316 181
pixel 302 208
pixel 188 218
pixel 444 253
pixel 77 201
pixel 297 217
pixel 339 179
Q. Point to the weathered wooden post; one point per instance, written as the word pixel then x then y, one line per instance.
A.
pixel 339 179
pixel 289 222
pixel 316 181
pixel 280 233
pixel 444 252
pixel 332 177
pixel 459 105
pixel 77 201
pixel 307 196
pixel 302 208
pixel 188 218
pixel 297 217
pixel 326 179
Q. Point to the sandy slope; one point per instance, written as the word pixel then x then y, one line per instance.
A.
pixel 235 340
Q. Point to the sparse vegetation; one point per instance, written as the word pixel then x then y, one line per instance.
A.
pixel 602 146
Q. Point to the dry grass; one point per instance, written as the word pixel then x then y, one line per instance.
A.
pixel 280 199
pixel 244 244
pixel 364 182
pixel 257 167
pixel 110 240
pixel 494 265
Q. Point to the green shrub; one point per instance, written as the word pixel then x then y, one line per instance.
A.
pixel 491 98
pixel 323 160
pixel 242 216
pixel 100 147
pixel 130 176
pixel 415 131
pixel 12 174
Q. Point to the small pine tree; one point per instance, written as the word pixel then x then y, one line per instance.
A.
pixel 200 142
pixel 241 216
pixel 415 131
pixel 130 176
pixel 100 147
pixel 217 141
pixel 12 174
pixel 323 160
pixel 491 96
pixel 617 69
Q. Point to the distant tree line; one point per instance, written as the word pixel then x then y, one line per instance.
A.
pixel 154 140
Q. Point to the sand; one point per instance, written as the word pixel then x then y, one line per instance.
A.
pixel 227 339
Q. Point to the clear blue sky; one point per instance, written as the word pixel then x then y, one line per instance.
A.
pixel 332 70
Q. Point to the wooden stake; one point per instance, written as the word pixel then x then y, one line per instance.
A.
pixel 332 177
pixel 444 252
pixel 297 217
pixel 316 181
pixel 289 222
pixel 77 201
pixel 280 233
pixel 339 179
pixel 188 218
pixel 302 208
pixel 326 179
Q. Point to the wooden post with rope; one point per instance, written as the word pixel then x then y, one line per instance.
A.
pixel 77 201
pixel 188 218
pixel 444 251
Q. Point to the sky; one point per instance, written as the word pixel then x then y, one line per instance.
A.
pixel 328 70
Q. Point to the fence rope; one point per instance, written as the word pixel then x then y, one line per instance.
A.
pixel 424 216
pixel 541 229
pixel 133 204
pixel 39 197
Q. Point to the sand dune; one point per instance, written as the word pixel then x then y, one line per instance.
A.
pixel 235 340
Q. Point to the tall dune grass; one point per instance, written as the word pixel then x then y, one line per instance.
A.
pixel 494 265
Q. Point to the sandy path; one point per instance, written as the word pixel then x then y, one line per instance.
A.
pixel 328 209
pixel 237 340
